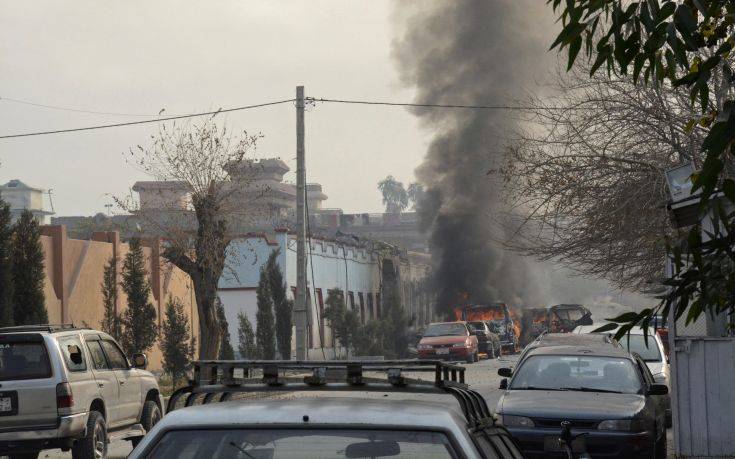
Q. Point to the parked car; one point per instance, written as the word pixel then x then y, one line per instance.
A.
pixel 71 388
pixel 487 341
pixel 603 392
pixel 569 339
pixel 449 341
pixel 653 353
pixel 328 427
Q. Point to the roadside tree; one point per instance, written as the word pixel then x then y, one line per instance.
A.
pixel 177 346
pixel 226 352
pixel 344 322
pixel 282 306
pixel 206 162
pixel 265 326
pixel 246 338
pixel 585 176
pixel 29 302
pixel 139 329
pixel 687 43
pixel 6 266
pixel 111 321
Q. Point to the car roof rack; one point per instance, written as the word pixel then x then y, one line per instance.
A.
pixel 218 380
pixel 51 328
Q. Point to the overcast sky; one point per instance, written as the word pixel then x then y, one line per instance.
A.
pixel 140 57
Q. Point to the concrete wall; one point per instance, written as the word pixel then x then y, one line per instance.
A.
pixel 74 272
pixel 331 265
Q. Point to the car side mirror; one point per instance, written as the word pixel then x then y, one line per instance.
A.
pixel 140 361
pixel 504 383
pixel 586 320
pixel 505 372
pixel 658 389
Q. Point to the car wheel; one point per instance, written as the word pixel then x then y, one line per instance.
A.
pixel 94 445
pixel 470 358
pixel 31 455
pixel 149 418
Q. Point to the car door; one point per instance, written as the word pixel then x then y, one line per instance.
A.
pixel 128 382
pixel 106 380
pixel 658 402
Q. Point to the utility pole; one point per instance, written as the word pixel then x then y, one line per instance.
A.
pixel 300 310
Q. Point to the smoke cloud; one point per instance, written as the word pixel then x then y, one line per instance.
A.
pixel 476 52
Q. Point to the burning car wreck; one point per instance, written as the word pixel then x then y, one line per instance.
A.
pixel 501 319
pixel 560 318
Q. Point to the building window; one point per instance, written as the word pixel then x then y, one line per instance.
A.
pixel 370 305
pixel 362 307
pixel 320 303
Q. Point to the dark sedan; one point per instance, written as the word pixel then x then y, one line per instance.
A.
pixel 606 394
pixel 488 342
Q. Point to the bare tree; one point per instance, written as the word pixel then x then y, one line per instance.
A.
pixel 585 176
pixel 206 166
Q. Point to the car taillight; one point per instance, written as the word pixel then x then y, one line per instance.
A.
pixel 64 397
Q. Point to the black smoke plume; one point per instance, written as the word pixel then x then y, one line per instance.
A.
pixel 475 52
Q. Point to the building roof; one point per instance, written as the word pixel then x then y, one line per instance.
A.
pixel 160 185
pixel 16 184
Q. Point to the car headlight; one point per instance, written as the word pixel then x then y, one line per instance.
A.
pixel 516 421
pixel 627 425
pixel 424 347
pixel 460 345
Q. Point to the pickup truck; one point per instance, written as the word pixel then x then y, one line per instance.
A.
pixel 71 388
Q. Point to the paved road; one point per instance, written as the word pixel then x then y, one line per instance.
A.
pixel 482 376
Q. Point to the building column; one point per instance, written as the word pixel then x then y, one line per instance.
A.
pixel 57 233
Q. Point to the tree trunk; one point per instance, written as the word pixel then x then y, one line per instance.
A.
pixel 210 337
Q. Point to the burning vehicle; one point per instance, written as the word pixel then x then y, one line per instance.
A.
pixel 560 318
pixel 500 318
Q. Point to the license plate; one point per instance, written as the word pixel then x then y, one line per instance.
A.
pixel 552 444
pixel 6 404
pixel 441 351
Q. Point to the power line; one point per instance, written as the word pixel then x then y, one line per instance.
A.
pixel 157 120
pixel 68 109
pixel 408 104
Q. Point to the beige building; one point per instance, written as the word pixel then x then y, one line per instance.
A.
pixel 21 196
pixel 74 271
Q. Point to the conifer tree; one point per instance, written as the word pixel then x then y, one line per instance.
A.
pixel 28 276
pixel 226 352
pixel 265 327
pixel 139 319
pixel 246 338
pixel 176 345
pixel 111 322
pixel 282 306
pixel 6 276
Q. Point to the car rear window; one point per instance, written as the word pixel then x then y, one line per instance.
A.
pixel 298 443
pixel 23 357
pixel 446 329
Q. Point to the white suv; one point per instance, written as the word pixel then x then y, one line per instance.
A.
pixel 71 388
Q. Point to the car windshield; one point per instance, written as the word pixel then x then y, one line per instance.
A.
pixel 636 344
pixel 20 360
pixel 586 373
pixel 300 443
pixel 496 326
pixel 449 329
pixel 477 325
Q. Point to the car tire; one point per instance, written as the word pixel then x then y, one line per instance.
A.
pixel 32 455
pixel 149 418
pixel 470 358
pixel 94 445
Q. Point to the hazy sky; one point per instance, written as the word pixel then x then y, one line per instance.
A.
pixel 139 57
